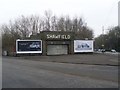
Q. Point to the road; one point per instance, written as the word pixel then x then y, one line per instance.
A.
pixel 20 73
pixel 90 59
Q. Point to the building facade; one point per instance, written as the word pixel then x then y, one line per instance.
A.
pixel 59 43
pixel 56 43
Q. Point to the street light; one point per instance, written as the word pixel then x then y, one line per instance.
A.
pixel 102 45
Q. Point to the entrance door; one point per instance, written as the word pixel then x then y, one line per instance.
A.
pixel 57 49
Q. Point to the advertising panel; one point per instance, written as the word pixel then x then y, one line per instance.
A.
pixel 83 45
pixel 28 46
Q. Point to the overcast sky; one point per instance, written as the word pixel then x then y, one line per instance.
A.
pixel 96 13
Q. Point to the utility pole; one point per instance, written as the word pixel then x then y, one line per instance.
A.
pixel 119 13
pixel 102 39
pixel 102 30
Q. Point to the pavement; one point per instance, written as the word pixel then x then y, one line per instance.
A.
pixel 90 59
pixel 22 73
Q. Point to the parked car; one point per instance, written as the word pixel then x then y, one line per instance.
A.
pixel 113 50
pixel 102 50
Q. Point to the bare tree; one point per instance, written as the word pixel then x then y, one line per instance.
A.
pixel 54 23
pixel 61 24
pixel 42 25
pixel 48 15
pixel 34 24
pixel 7 37
pixel 23 27
pixel 68 24
pixel 75 24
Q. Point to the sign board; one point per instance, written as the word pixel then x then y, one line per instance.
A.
pixel 83 45
pixel 58 36
pixel 28 46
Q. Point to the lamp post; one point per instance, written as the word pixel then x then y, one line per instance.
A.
pixel 119 13
pixel 103 50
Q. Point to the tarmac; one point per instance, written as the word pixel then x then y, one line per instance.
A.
pixel 90 59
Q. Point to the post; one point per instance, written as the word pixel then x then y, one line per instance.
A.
pixel 119 13
pixel 103 35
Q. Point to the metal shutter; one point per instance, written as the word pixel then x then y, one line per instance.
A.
pixel 57 49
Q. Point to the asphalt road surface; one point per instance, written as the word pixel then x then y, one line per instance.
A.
pixel 20 73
